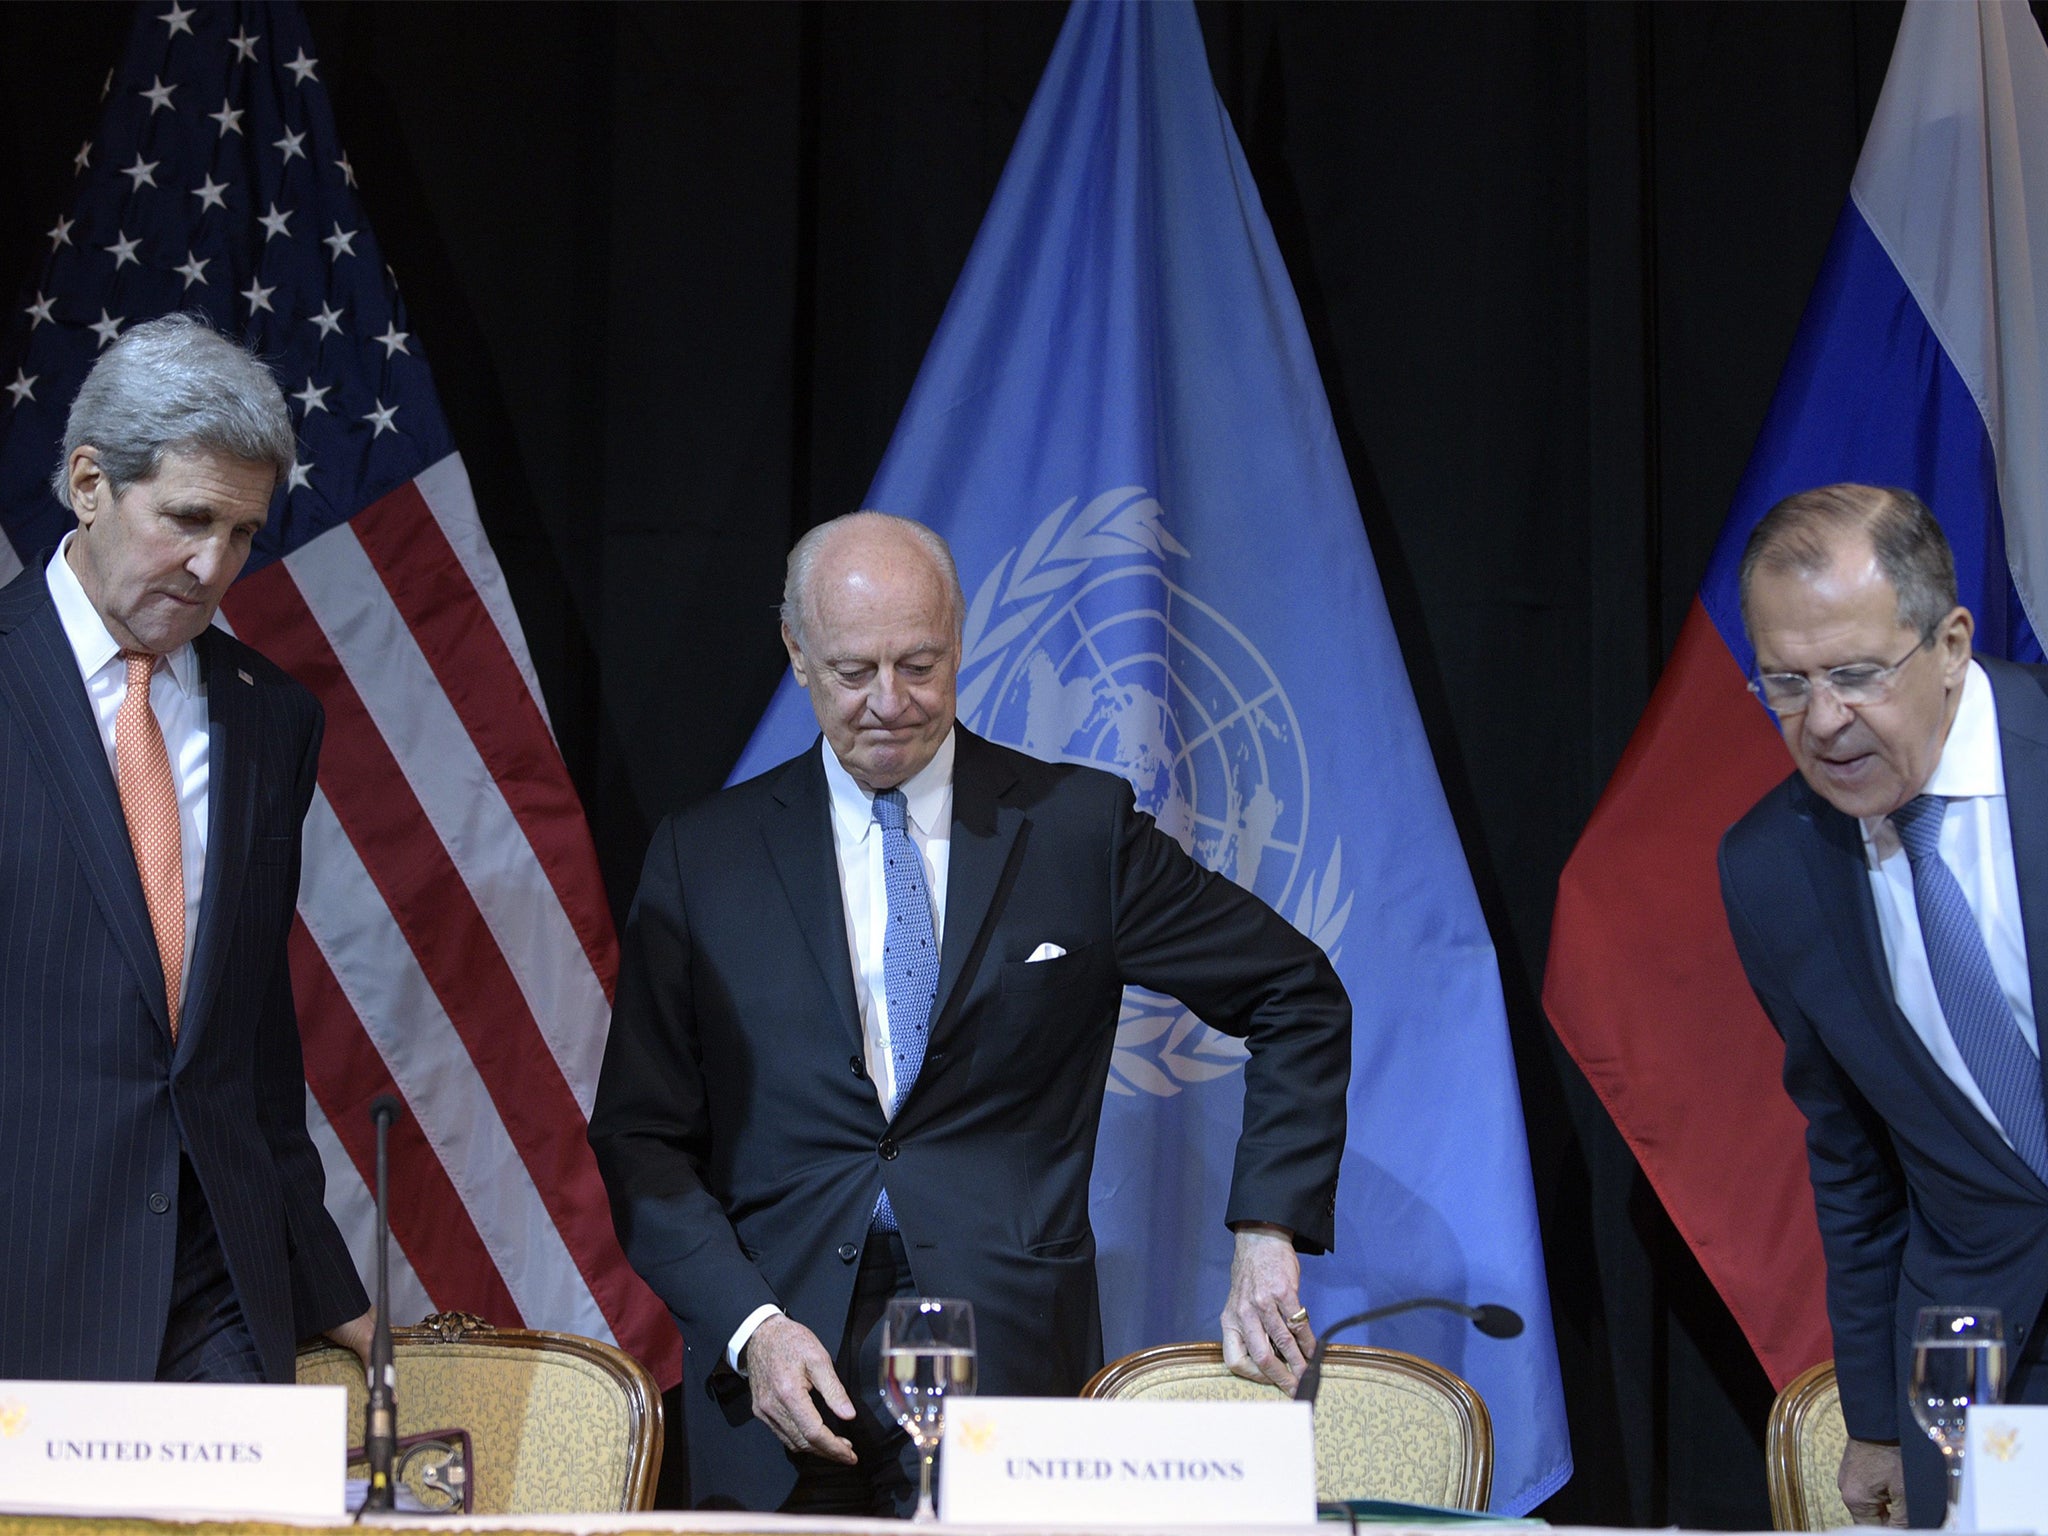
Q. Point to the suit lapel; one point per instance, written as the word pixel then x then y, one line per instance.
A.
pixel 1841 876
pixel 1840 872
pixel 39 676
pixel 233 716
pixel 799 838
pixel 2023 744
pixel 984 832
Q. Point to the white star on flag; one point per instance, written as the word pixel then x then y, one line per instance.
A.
pixel 389 541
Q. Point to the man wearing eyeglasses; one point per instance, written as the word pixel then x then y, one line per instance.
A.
pixel 1889 902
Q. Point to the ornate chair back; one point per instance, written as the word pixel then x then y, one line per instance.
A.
pixel 558 1424
pixel 1803 1447
pixel 1388 1425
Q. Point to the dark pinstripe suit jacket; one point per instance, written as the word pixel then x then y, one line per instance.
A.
pixel 95 1102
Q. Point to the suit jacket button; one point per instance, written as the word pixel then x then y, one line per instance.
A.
pixel 887 1149
pixel 860 1068
pixel 159 1203
pixel 848 1253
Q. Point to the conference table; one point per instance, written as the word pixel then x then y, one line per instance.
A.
pixel 673 1524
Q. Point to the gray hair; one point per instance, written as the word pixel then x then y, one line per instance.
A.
pixel 796 583
pixel 173 385
pixel 1802 533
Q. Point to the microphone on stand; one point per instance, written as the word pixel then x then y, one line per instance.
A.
pixel 1489 1318
pixel 380 1427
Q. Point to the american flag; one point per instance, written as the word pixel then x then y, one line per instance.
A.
pixel 453 942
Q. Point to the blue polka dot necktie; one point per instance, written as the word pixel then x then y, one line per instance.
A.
pixel 910 958
pixel 1975 1006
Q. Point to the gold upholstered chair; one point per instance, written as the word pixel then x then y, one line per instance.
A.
pixel 1388 1425
pixel 557 1424
pixel 1803 1450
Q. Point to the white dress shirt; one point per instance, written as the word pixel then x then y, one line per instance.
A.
pixel 1976 840
pixel 179 698
pixel 864 898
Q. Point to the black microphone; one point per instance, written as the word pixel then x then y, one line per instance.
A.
pixel 380 1426
pixel 1489 1318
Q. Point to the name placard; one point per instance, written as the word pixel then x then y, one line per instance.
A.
pixel 108 1447
pixel 2005 1470
pixel 1049 1460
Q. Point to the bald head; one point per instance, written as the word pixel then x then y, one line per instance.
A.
pixel 871 616
pixel 857 534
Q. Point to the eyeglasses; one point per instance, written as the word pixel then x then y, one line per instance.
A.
pixel 1857 683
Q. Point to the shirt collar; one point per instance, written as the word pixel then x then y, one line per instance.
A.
pixel 927 794
pixel 91 645
pixel 1971 766
pixel 1971 762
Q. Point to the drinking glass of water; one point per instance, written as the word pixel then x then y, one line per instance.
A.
pixel 1958 1360
pixel 927 1356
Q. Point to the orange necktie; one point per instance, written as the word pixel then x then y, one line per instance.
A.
pixel 149 799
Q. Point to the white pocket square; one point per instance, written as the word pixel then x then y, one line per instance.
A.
pixel 1044 952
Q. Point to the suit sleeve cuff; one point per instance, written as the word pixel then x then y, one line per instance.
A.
pixel 736 1350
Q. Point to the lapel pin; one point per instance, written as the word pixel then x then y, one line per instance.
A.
pixel 245 677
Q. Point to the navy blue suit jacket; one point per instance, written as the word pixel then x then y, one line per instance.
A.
pixel 96 1103
pixel 742 1143
pixel 1920 1201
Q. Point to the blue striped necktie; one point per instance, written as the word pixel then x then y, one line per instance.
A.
pixel 910 957
pixel 1975 1006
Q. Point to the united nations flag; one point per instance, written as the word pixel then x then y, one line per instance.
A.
pixel 1121 429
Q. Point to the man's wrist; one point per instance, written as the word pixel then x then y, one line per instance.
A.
pixel 1262 1229
pixel 736 1348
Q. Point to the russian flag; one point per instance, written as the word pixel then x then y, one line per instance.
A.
pixel 1921 361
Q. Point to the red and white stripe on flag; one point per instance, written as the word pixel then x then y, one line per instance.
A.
pixel 453 943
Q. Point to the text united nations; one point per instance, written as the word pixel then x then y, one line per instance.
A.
pixel 1099 1470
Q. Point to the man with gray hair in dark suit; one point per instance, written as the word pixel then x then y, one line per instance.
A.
pixel 1886 903
pixel 162 1215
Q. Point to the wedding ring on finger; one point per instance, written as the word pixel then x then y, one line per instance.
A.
pixel 1297 1317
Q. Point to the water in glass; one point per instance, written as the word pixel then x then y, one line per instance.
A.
pixel 927 1356
pixel 1958 1360
pixel 915 1382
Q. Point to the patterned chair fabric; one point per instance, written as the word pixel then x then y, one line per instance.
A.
pixel 559 1424
pixel 1802 1452
pixel 1388 1425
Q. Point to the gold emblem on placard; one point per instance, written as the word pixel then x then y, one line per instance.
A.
pixel 977 1435
pixel 13 1418
pixel 2002 1440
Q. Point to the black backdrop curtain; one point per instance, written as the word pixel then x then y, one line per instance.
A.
pixel 676 266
